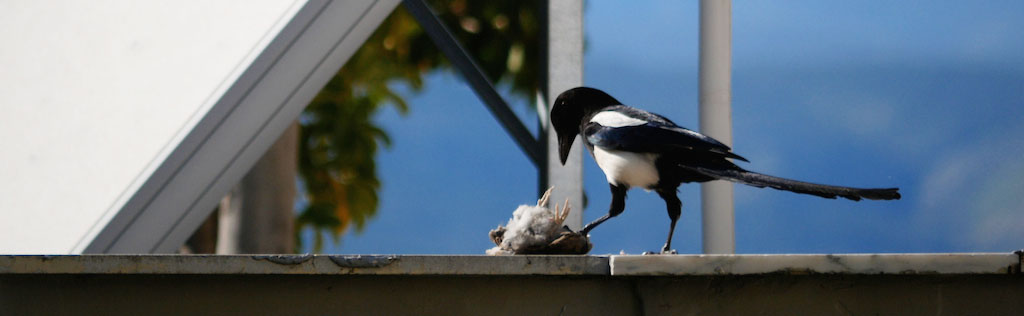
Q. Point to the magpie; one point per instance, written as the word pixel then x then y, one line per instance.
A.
pixel 636 148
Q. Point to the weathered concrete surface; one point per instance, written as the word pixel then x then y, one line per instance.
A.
pixel 944 263
pixel 943 284
pixel 305 264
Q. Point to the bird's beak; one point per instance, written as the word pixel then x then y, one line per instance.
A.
pixel 564 145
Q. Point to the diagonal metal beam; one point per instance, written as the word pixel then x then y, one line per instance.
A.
pixel 483 87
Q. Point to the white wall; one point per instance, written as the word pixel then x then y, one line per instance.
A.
pixel 94 94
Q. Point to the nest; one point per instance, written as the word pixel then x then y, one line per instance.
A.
pixel 538 230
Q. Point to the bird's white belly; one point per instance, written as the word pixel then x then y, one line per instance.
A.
pixel 629 168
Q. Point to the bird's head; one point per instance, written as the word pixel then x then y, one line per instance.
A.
pixel 569 111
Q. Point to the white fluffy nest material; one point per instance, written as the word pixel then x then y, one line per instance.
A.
pixel 538 230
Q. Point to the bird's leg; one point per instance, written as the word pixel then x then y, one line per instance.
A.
pixel 618 205
pixel 674 207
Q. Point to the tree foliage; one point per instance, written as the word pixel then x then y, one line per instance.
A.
pixel 339 141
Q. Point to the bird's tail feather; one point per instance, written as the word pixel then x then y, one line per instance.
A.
pixel 826 191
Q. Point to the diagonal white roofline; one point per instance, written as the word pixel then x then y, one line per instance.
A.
pixel 255 109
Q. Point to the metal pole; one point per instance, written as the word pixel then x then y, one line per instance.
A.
pixel 564 70
pixel 716 119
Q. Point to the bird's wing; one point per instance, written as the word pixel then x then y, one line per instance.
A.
pixel 654 137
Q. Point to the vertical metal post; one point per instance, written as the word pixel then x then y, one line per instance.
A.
pixel 564 58
pixel 716 119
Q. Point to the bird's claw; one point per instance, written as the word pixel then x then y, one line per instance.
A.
pixel 561 214
pixel 544 198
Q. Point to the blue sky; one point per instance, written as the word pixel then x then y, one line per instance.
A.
pixel 924 95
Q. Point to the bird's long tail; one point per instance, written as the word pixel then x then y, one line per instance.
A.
pixel 826 191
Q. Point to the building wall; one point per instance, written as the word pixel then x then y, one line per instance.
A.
pixel 514 285
pixel 512 295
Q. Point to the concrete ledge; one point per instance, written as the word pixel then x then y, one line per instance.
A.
pixel 964 263
pixel 859 284
pixel 621 265
pixel 305 264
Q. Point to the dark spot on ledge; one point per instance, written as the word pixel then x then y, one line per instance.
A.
pixel 285 259
pixel 363 261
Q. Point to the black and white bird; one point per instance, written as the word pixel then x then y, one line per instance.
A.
pixel 636 148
